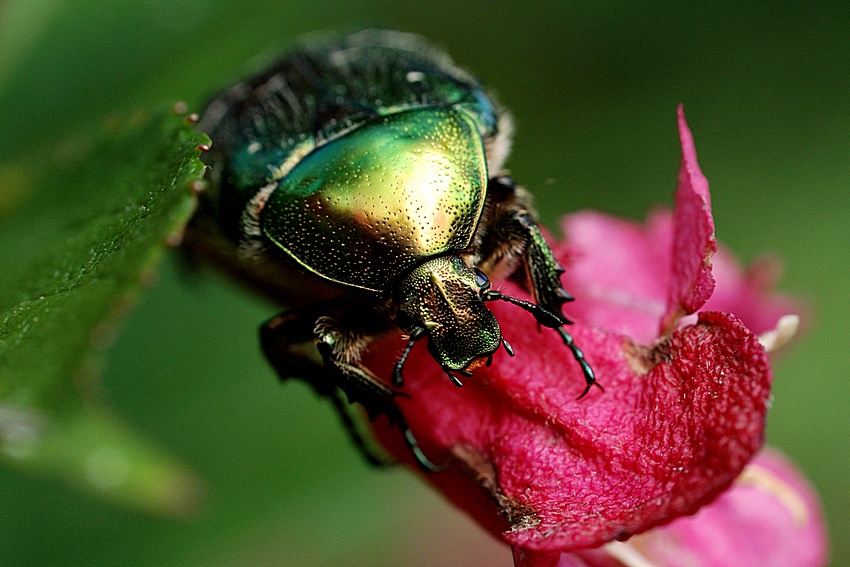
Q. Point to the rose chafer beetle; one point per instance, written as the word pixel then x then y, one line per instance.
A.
pixel 357 181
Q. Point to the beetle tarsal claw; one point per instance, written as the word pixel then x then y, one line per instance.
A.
pixel 589 375
pixel 417 451
pixel 549 319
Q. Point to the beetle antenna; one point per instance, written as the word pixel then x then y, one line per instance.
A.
pixel 398 379
pixel 543 316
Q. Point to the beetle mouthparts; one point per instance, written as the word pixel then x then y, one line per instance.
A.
pixel 478 363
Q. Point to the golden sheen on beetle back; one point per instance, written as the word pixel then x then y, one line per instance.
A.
pixel 405 188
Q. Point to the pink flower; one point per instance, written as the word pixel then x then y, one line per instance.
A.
pixel 685 397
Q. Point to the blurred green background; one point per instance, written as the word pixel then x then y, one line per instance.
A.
pixel 593 87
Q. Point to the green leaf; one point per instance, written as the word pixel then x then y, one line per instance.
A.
pixel 82 228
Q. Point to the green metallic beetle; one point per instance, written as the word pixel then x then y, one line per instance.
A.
pixel 353 181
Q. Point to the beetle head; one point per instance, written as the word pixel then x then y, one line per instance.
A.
pixel 443 299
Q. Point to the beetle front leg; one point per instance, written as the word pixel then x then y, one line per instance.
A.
pixel 510 233
pixel 510 230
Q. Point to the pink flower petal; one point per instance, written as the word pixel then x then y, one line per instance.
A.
pixel 693 237
pixel 749 293
pixel 641 280
pixel 676 425
pixel 619 270
pixel 529 558
pixel 770 517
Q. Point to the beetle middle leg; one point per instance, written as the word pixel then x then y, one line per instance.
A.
pixel 318 350
pixel 509 233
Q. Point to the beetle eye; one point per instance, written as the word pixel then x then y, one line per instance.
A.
pixel 404 320
pixel 481 279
